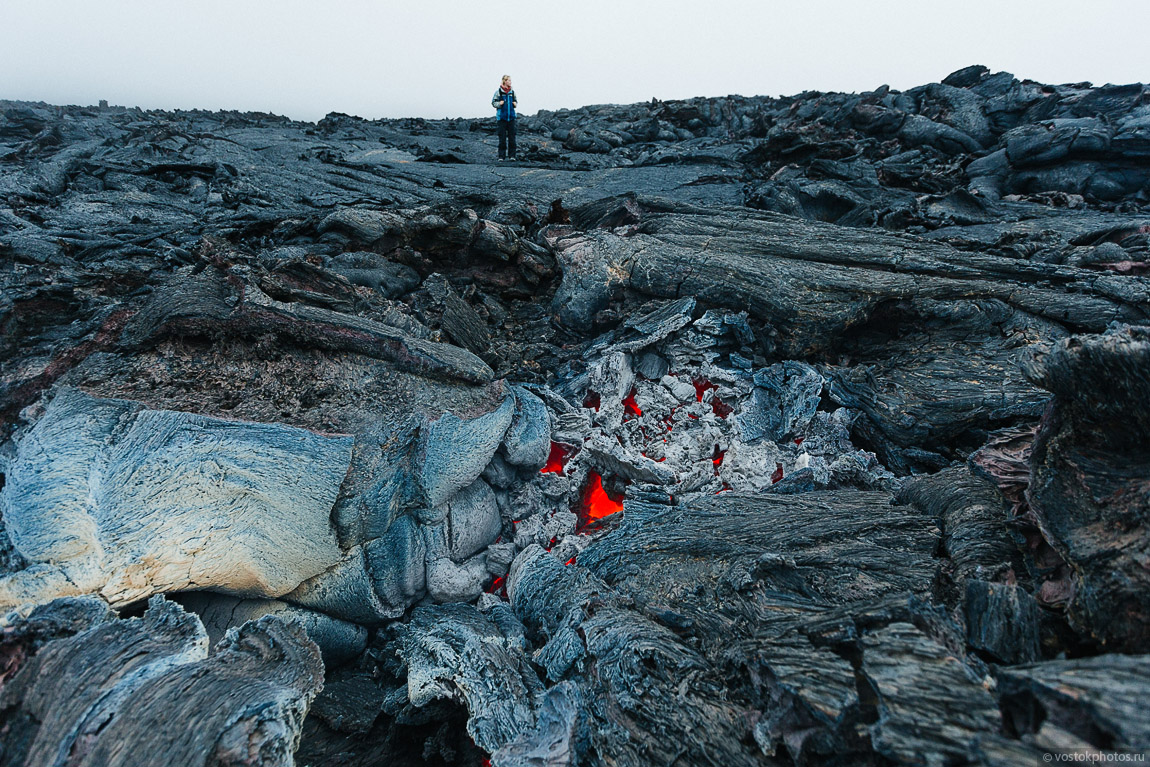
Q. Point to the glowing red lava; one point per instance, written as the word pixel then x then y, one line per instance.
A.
pixel 596 503
pixel 630 407
pixel 570 561
pixel 592 400
pixel 778 473
pixel 717 458
pixel 498 587
pixel 701 385
pixel 720 408
pixel 557 458
pixel 799 440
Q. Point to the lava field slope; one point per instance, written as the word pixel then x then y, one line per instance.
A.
pixel 725 431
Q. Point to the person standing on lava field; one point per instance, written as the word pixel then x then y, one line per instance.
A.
pixel 504 102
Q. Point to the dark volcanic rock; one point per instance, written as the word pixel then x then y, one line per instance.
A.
pixel 806 430
pixel 971 515
pixel 457 651
pixel 109 694
pixel 1002 620
pixel 931 706
pixel 1098 701
pixel 1088 481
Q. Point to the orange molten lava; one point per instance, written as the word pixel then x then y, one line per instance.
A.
pixel 630 407
pixel 557 458
pixel 596 503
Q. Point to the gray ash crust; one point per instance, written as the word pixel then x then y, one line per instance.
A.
pixel 319 420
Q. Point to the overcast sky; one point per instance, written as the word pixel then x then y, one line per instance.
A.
pixel 443 58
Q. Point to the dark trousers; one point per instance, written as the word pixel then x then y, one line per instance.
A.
pixel 506 138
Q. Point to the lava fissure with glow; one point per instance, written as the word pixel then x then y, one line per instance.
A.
pixel 557 458
pixel 597 503
pixel 629 405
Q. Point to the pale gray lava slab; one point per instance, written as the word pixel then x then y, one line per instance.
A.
pixel 158 501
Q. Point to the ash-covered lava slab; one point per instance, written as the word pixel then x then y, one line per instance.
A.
pixel 112 694
pixel 215 302
pixel 339 641
pixel 417 516
pixel 106 497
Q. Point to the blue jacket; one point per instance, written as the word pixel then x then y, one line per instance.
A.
pixel 507 111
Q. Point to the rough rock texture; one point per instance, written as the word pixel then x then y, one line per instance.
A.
pixel 931 706
pixel 1094 699
pixel 726 431
pixel 106 497
pixel 108 694
pixel 1089 480
pixel 458 651
pixel 338 641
